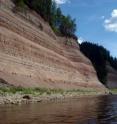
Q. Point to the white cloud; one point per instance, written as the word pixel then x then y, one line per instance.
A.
pixel 114 13
pixel 61 1
pixel 111 23
pixel 80 40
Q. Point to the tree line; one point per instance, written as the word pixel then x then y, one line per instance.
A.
pixel 61 24
pixel 99 57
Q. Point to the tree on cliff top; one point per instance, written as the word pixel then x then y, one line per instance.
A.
pixel 20 5
pixel 99 57
pixel 65 25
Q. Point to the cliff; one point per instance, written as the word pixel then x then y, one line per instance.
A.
pixel 112 77
pixel 31 55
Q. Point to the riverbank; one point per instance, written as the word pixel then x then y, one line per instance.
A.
pixel 13 95
pixel 113 91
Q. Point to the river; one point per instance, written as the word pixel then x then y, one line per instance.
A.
pixel 85 110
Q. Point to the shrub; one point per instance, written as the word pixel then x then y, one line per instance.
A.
pixel 61 24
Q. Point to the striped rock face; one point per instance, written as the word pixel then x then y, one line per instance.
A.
pixel 112 77
pixel 31 56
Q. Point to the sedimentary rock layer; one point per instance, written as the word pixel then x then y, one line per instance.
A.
pixel 34 57
pixel 112 77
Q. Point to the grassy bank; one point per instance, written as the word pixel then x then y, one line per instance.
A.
pixel 113 91
pixel 41 91
pixel 18 95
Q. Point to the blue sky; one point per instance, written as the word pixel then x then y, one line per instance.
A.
pixel 96 20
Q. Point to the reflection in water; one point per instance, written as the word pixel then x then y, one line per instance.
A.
pixel 92 110
pixel 108 110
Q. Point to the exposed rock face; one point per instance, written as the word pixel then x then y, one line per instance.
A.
pixel 112 77
pixel 34 57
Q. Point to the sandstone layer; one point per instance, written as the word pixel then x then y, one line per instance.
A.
pixel 31 56
pixel 112 77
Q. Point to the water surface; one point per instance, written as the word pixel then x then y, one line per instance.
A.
pixel 86 110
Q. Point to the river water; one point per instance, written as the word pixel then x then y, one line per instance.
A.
pixel 85 110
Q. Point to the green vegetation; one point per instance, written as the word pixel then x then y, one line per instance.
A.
pixel 113 91
pixel 99 57
pixel 113 62
pixel 61 24
pixel 20 5
pixel 41 91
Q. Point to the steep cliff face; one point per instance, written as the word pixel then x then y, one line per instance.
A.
pixel 112 77
pixel 31 56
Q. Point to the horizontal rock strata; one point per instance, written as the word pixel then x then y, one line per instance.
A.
pixel 31 57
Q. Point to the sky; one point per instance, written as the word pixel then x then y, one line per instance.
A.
pixel 96 21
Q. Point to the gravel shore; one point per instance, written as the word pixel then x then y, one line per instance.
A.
pixel 29 98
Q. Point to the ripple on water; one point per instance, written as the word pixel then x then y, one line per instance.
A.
pixel 86 110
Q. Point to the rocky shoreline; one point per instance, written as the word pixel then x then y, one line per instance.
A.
pixel 29 98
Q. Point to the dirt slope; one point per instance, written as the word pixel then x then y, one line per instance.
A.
pixel 32 57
